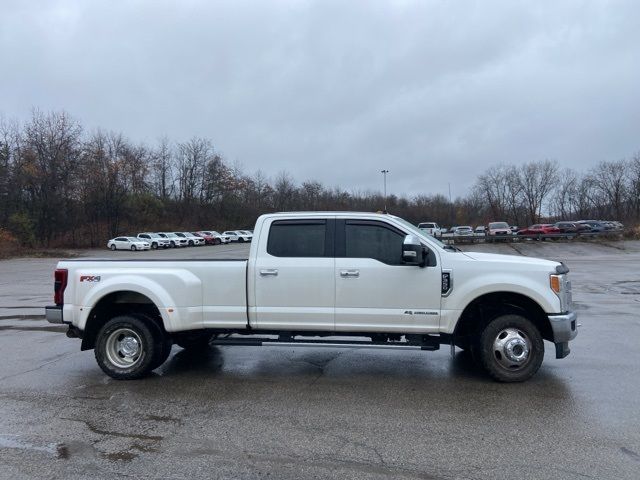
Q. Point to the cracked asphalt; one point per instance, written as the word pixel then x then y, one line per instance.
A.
pixel 276 412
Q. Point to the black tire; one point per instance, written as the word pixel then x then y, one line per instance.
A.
pixel 241 240
pixel 191 243
pixel 154 245
pixel 523 342
pixel 133 248
pixel 193 341
pixel 166 344
pixel 217 241
pixel 112 356
pixel 113 248
pixel 173 244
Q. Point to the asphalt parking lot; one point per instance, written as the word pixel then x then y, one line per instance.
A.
pixel 276 412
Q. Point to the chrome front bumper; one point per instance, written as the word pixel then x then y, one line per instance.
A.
pixel 565 328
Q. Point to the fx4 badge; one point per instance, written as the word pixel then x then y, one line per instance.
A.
pixel 89 278
pixel 419 312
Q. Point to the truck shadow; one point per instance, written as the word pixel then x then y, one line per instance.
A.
pixel 338 366
pixel 207 361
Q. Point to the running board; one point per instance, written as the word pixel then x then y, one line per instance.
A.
pixel 290 342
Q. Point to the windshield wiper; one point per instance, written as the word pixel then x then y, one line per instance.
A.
pixel 452 248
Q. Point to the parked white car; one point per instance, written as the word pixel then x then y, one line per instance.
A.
pixel 248 233
pixel 128 243
pixel 155 240
pixel 174 240
pixel 223 238
pixel 431 228
pixel 192 240
pixel 238 236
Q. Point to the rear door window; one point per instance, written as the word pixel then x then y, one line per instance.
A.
pixel 299 238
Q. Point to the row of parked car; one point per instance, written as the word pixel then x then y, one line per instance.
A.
pixel 155 240
pixel 497 229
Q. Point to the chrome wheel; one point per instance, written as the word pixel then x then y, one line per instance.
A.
pixel 124 348
pixel 511 348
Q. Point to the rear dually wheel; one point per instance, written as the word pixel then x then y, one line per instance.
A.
pixel 129 347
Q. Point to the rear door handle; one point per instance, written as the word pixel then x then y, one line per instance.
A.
pixel 349 273
pixel 269 272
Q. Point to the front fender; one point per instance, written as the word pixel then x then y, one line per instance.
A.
pixel 465 292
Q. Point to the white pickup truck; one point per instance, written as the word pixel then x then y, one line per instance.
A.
pixel 341 279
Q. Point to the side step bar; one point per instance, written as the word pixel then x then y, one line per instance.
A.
pixel 290 341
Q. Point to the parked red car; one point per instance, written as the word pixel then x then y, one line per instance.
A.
pixel 208 239
pixel 539 229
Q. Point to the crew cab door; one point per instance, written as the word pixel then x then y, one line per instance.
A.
pixel 375 291
pixel 294 275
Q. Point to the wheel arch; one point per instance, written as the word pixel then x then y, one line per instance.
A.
pixel 485 307
pixel 120 302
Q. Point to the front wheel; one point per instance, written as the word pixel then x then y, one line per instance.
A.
pixel 128 347
pixel 154 245
pixel 113 248
pixel 510 348
pixel 133 248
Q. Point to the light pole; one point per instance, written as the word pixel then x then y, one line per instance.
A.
pixel 384 174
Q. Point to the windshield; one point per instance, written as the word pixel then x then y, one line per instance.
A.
pixel 419 233
pixel 213 232
pixel 246 232
pixel 133 239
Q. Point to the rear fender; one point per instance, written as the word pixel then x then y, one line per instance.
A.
pixel 176 294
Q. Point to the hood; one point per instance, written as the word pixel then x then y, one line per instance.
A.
pixel 512 259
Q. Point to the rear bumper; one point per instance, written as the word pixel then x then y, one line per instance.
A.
pixel 565 328
pixel 53 314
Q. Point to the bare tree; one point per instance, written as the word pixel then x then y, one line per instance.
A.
pixel 493 187
pixel 610 179
pixel 191 163
pixel 284 192
pixel 537 180
pixel 566 195
pixel 162 169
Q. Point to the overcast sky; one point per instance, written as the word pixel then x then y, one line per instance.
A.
pixel 434 91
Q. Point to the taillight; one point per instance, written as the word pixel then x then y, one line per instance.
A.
pixel 60 283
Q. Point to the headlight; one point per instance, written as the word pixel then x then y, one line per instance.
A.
pixel 561 286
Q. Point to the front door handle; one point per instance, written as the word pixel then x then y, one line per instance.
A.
pixel 269 272
pixel 349 273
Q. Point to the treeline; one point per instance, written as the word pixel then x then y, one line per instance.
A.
pixel 60 185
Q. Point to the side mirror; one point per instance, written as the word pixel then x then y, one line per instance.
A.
pixel 412 251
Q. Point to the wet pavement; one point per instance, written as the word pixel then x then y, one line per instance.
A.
pixel 276 412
